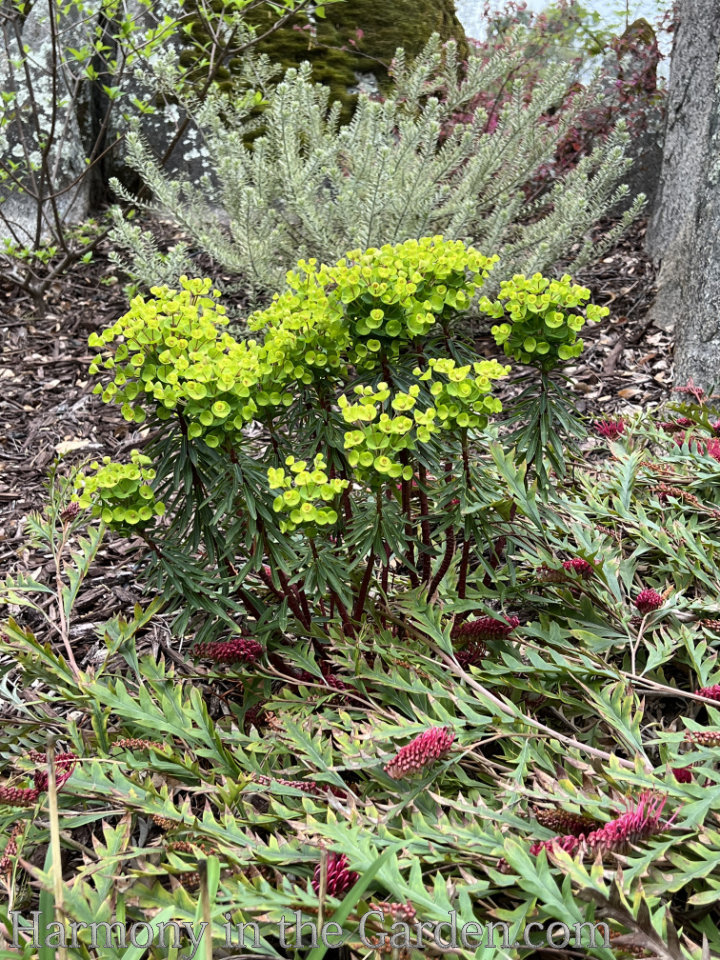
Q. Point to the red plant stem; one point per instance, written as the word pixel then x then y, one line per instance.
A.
pixel 300 592
pixel 292 599
pixel 407 511
pixel 445 564
pixel 267 580
pixel 315 555
pixel 464 563
pixel 344 615
pixel 466 460
pixel 364 587
pixel 425 524
pixel 289 592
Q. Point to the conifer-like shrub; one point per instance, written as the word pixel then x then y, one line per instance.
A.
pixel 308 186
pixel 326 463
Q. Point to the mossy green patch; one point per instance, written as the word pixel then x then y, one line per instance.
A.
pixel 355 37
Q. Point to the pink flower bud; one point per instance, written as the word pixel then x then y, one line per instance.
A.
pixel 610 429
pixel 648 600
pixel 339 878
pixel 237 650
pixel 426 748
pixel 579 566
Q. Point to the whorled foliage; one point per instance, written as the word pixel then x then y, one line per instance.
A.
pixel 308 186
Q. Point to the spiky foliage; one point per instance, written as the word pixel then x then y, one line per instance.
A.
pixel 310 187
pixel 566 794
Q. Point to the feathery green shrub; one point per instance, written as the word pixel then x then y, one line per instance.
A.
pixel 311 187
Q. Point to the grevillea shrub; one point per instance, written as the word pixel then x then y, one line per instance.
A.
pixel 542 748
pixel 326 464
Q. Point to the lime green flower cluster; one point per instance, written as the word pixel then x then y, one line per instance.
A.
pixel 383 435
pixel 305 337
pixel 302 489
pixel 368 304
pixel 461 397
pixel 120 493
pixel 171 354
pixel 542 330
pixel 172 349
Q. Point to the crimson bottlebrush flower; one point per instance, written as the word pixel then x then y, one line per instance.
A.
pixel 64 766
pixel 10 850
pixel 610 429
pixel 255 716
pixel 237 650
pixel 331 679
pixel 472 654
pixel 682 774
pixel 568 843
pixel 429 746
pixel 579 566
pixel 634 825
pixel 712 693
pixel 484 628
pixel 648 600
pixel 337 683
pixel 19 796
pixel 664 490
pixel 339 878
pixel 712 449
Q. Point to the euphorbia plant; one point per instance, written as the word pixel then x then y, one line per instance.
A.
pixel 314 472
pixel 541 322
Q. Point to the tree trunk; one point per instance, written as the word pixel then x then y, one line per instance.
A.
pixel 684 231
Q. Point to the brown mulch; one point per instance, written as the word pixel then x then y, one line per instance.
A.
pixel 627 362
pixel 47 408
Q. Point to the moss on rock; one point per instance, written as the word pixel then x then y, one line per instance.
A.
pixel 384 26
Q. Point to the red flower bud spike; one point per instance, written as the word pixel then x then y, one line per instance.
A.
pixel 425 749
pixel 648 600
pixel 238 650
pixel 339 877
